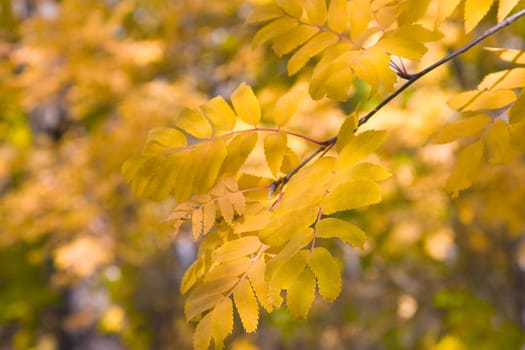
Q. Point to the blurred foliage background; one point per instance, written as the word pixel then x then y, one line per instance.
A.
pixel 84 265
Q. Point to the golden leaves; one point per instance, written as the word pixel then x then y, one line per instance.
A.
pixel 475 10
pixel 466 169
pixel 351 195
pixel 246 305
pixel 246 104
pixel 327 273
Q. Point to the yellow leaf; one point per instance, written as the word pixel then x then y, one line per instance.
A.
pixel 264 13
pixel 192 275
pixel 470 126
pixel 194 123
pixel 274 149
pixel 407 41
pixel 205 162
pixel 312 48
pixel 476 100
pixel 286 106
pixel 517 111
pixel 256 275
pixel 327 272
pixel 351 195
pixel 316 11
pixel 281 273
pixel 246 305
pixel 273 29
pixel 338 85
pixel 297 36
pixel 203 219
pixel 359 146
pixel 206 295
pixel 445 8
pixel 226 208
pixel 517 131
pixel 363 171
pixel 161 139
pixel 506 79
pixel 466 169
pixel 238 201
pixel 385 15
pixel 372 67
pixel 337 15
pixel 236 249
pixel 284 224
pixel 228 269
pixel 222 322
pixel 475 10
pixel 499 148
pixel 345 231
pixel 238 150
pixel 504 8
pixel 251 223
pixel 290 161
pixel 412 10
pixel 220 113
pixel 509 55
pixel 292 7
pixel 246 104
pixel 346 131
pixel 301 294
pixel 327 68
pixel 360 16
pixel 203 333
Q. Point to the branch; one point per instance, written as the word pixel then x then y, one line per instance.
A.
pixel 413 78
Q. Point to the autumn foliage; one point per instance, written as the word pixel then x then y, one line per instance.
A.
pixel 366 151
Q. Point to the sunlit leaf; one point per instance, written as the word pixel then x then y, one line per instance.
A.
pixel 222 322
pixel 246 104
pixel 475 10
pixel 327 273
pixel 274 150
pixel 203 333
pixel 301 294
pixel 246 305
pixel 194 123
pixel 470 126
pixel 345 231
pixel 351 195
pixel 220 113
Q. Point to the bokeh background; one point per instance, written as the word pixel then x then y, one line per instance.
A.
pixel 84 265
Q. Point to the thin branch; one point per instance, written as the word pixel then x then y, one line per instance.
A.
pixel 413 78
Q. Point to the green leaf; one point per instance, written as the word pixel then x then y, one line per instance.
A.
pixel 351 195
pixel 301 294
pixel 345 231
pixel 327 272
pixel 246 104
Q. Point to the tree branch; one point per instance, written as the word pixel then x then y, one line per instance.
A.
pixel 413 78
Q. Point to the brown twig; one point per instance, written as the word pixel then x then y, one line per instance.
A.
pixel 413 78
